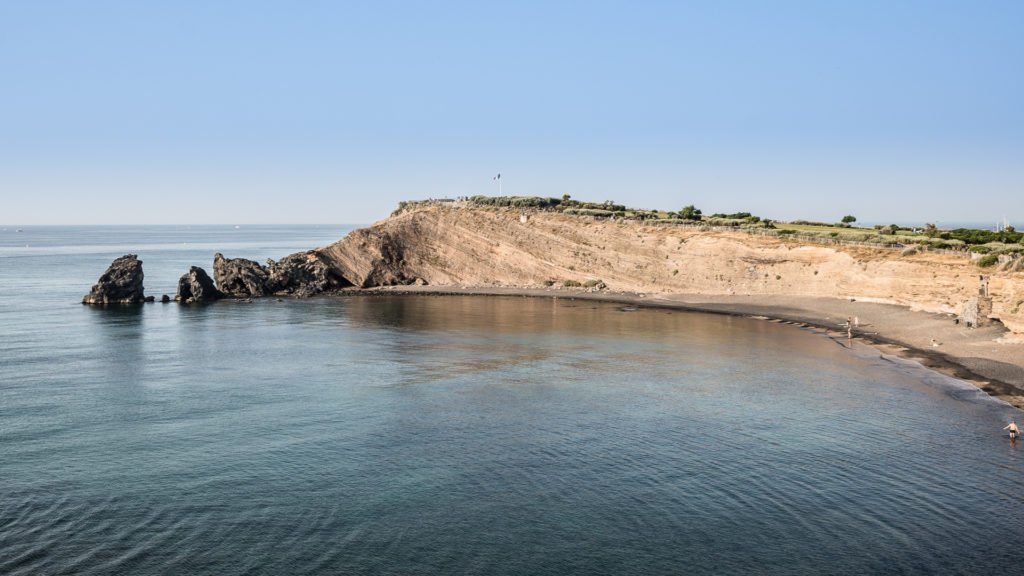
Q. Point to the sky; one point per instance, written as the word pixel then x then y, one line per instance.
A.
pixel 194 112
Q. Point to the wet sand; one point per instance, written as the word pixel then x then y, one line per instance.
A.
pixel 935 340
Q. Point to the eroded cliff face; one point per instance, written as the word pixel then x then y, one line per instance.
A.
pixel 444 246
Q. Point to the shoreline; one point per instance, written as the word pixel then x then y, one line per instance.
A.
pixel 932 340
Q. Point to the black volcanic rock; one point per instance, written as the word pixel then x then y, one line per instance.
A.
pixel 239 277
pixel 196 285
pixel 302 274
pixel 120 284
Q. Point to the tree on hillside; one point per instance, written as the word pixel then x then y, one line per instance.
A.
pixel 931 230
pixel 848 219
pixel 690 213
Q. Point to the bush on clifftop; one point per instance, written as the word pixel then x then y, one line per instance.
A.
pixel 516 201
pixel 986 261
pixel 690 213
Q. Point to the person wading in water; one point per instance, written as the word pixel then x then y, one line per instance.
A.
pixel 1014 430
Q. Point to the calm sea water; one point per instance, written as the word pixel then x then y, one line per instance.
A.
pixel 456 435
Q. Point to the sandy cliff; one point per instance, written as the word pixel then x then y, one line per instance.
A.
pixel 444 245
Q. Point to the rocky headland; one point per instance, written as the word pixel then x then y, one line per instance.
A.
pixel 459 247
pixel 439 245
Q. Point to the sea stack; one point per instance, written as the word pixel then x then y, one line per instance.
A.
pixel 195 286
pixel 239 277
pixel 120 284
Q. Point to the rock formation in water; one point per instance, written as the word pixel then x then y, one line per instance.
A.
pixel 120 284
pixel 239 277
pixel 300 274
pixel 196 286
pixel 431 243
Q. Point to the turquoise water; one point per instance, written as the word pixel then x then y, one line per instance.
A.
pixel 458 435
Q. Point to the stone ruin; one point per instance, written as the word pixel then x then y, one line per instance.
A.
pixel 977 309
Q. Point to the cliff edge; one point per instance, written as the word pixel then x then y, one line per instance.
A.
pixel 451 245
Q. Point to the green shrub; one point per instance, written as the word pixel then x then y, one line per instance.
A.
pixel 597 213
pixel 812 223
pixel 944 244
pixel 734 215
pixel 609 205
pixel 986 261
pixel 690 213
pixel 973 236
pixel 731 222
pixel 571 284
pixel 787 231
pixel 516 201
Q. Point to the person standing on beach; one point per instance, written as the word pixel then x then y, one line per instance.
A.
pixel 849 328
pixel 1014 430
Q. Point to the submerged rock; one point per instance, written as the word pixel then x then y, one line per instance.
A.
pixel 120 284
pixel 239 277
pixel 196 285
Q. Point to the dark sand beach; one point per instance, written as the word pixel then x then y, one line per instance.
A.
pixel 983 356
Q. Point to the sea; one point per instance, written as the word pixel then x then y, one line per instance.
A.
pixel 407 435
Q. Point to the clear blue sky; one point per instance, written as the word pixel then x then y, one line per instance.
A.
pixel 295 112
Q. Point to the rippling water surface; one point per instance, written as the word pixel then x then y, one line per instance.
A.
pixel 457 435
